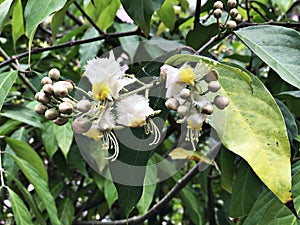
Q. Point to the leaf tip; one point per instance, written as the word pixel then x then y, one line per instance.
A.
pixel 291 206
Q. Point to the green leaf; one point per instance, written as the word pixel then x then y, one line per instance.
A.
pixel 227 169
pixel 29 199
pixel 67 212
pixel 103 12
pixel 48 139
pixel 58 19
pixel 21 213
pixel 17 22
pixel 289 95
pixel 25 152
pixel 264 42
pixel 64 137
pixel 4 10
pixel 23 114
pixel 110 192
pixel 284 5
pixel 252 125
pixel 6 81
pixel 268 210
pixel 195 37
pixel 141 11
pixel 167 15
pixel 246 189
pixel 9 126
pixel 89 50
pixel 181 153
pixel 40 186
pixel 38 11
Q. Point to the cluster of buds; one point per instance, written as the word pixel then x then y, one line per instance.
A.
pixel 55 102
pixel 187 90
pixel 235 17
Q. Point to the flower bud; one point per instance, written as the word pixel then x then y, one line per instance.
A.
pixel 221 102
pixel 233 13
pixel 60 121
pixel 231 24
pixel 36 96
pixel 218 5
pixel 48 89
pixel 172 103
pixel 217 13
pixel 46 80
pixel 238 18
pixel 213 75
pixel 40 109
pixel 214 86
pixel 60 89
pixel 43 98
pixel 182 110
pixel 208 109
pixel 84 105
pixel 51 114
pixel 54 74
pixel 65 107
pixel 231 3
pixel 69 86
pixel 81 125
pixel 185 93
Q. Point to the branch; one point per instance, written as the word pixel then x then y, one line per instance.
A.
pixel 197 13
pixel 163 202
pixel 74 18
pixel 35 51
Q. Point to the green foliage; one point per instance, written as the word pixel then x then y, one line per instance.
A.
pixel 7 80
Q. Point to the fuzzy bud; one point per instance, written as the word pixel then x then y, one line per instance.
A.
pixel 40 109
pixel 36 96
pixel 182 110
pixel 65 107
pixel 217 13
pixel 208 109
pixel 238 18
pixel 231 3
pixel 43 98
pixel 172 103
pixel 214 86
pixel 213 75
pixel 231 24
pixel 51 114
pixel 48 89
pixel 46 80
pixel 84 105
pixel 233 13
pixel 221 102
pixel 185 93
pixel 54 74
pixel 60 89
pixel 81 125
pixel 59 121
pixel 218 5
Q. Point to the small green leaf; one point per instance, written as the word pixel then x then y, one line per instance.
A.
pixel 6 81
pixel 284 5
pixel 9 126
pixel 21 213
pixel 167 15
pixel 23 114
pixel 25 152
pixel 48 139
pixel 264 42
pixel 289 95
pixel 67 212
pixel 17 22
pixel 141 11
pixel 181 153
pixel 4 10
pixel 64 137
pixel 110 192
pixel 246 189
pixel 40 186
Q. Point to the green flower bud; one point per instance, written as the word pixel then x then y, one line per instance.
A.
pixel 221 102
pixel 54 74
pixel 84 105
pixel 233 13
pixel 51 114
pixel 238 18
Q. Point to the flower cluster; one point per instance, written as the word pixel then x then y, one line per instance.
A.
pixel 107 106
pixel 186 92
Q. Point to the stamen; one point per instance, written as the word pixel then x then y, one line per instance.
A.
pixel 154 129
pixel 112 143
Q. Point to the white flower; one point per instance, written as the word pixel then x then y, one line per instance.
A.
pixel 133 111
pixel 107 77
pixel 194 127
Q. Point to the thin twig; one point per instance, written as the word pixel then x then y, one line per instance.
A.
pixel 35 51
pixel 197 13
pixel 247 10
pixel 89 19
pixel 74 18
pixel 259 13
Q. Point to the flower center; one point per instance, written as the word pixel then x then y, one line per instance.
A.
pixel 101 90
pixel 187 76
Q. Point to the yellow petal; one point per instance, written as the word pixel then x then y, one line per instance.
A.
pixel 187 76
pixel 100 90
